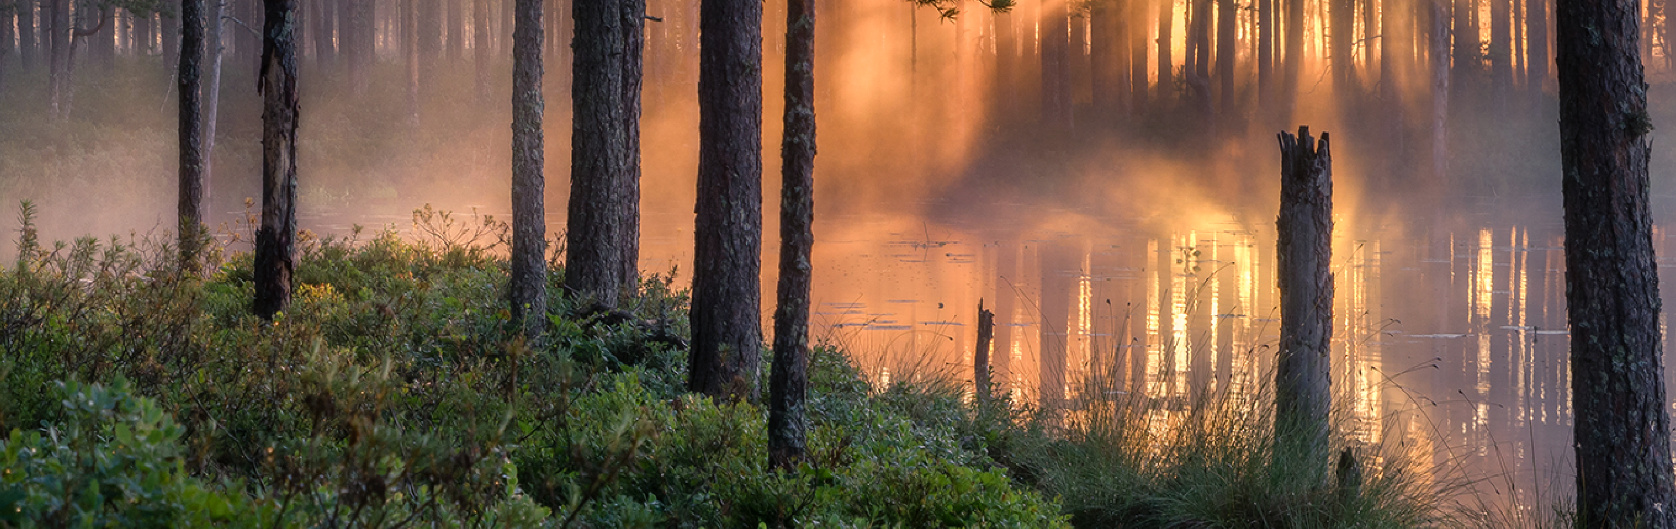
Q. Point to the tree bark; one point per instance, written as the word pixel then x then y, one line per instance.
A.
pixel 325 48
pixel 728 229
pixel 1103 54
pixel 1468 59
pixel 528 288
pixel 7 16
pixel 430 46
pixel 1006 66
pixel 788 422
pixel 604 208
pixel 1612 297
pixel 190 207
pixel 1303 395
pixel 276 244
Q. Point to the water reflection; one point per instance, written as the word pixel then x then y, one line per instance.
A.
pixel 1449 342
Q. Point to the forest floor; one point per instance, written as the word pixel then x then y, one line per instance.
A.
pixel 395 392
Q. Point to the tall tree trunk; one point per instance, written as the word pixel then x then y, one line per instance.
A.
pixel 144 40
pixel 214 47
pixel 1265 53
pixel 360 41
pixel 1501 47
pixel 276 243
pixel 1440 91
pixel 1343 36
pixel 1612 290
pixel 1138 34
pixel 7 17
pixel 1468 58
pixel 788 422
pixel 104 44
pixel 1102 57
pixel 190 207
pixel 605 150
pixel 726 330
pixel 1056 66
pixel 170 23
pixel 1536 20
pixel 1226 18
pixel 528 288
pixel 1005 95
pixel 480 46
pixel 27 49
pixel 1303 395
pixel 58 37
pixel 325 48
pixel 1294 59
pixel 1166 65
pixel 410 55
pixel 456 31
pixel 430 47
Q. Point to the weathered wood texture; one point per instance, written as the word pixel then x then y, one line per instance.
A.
pixel 276 240
pixel 1303 396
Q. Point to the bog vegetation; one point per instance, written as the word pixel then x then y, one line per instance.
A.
pixel 395 392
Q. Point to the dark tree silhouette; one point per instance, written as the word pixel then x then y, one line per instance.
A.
pixel 788 423
pixel 528 289
pixel 1612 289
pixel 190 208
pixel 604 222
pixel 1302 383
pixel 276 242
pixel 726 327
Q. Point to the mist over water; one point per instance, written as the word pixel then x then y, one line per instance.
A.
pixel 1139 241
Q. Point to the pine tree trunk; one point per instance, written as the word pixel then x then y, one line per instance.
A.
pixel 410 56
pixel 1501 47
pixel 190 207
pixel 605 151
pixel 1137 56
pixel 1056 66
pixel 528 289
pixel 1226 18
pixel 1006 66
pixel 171 37
pixel 1294 59
pixel 1621 419
pixel 1102 56
pixel 480 28
pixel 1303 394
pixel 276 244
pixel 788 422
pixel 1467 52
pixel 430 47
pixel 1166 65
pixel 214 49
pixel 1440 91
pixel 726 330
pixel 27 49
pixel 1343 35
pixel 1536 20
pixel 1265 53
pixel 7 17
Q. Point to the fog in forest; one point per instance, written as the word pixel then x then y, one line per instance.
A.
pixel 1041 159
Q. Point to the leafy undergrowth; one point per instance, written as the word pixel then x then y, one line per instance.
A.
pixel 394 392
